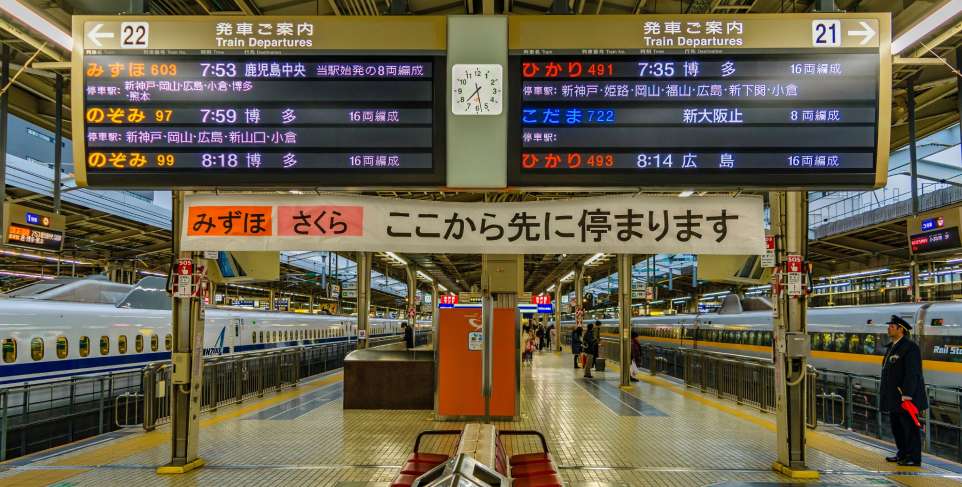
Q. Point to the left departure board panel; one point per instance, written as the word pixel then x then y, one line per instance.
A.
pixel 262 102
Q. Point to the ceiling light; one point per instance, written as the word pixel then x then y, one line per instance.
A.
pixel 686 193
pixel 551 288
pixel 568 276
pixel 594 258
pixel 150 273
pixel 396 258
pixel 860 273
pixel 47 258
pixel 442 288
pixel 27 275
pixel 424 276
pixel 34 21
pixel 927 25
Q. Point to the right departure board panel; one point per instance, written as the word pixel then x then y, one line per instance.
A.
pixel 699 101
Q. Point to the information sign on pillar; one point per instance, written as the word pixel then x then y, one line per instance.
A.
pixel 185 279
pixel 768 258
pixel 793 268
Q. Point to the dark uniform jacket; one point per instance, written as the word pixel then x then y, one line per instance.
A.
pixel 902 376
pixel 576 342
pixel 591 343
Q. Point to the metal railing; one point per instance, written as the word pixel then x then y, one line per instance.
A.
pixel 742 379
pixel 851 401
pixel 35 417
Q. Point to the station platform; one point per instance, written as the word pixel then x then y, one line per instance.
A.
pixel 657 433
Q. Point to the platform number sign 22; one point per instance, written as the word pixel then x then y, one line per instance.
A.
pixel 826 33
pixel 134 35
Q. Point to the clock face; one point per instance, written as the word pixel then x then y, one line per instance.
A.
pixel 476 89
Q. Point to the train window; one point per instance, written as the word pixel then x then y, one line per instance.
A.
pixel 840 344
pixel 816 341
pixel 854 343
pixel 868 344
pixel 767 338
pixel 122 344
pixel 253 337
pixel 937 321
pixel 154 342
pixel 139 343
pixel 261 336
pixel 9 350
pixel 36 348
pixel 84 346
pixel 827 343
pixel 104 345
pixel 273 336
pixel 168 342
pixel 61 347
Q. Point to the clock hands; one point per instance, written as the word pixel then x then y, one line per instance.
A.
pixel 476 93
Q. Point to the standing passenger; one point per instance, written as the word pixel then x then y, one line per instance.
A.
pixel 903 389
pixel 408 336
pixel 635 355
pixel 540 335
pixel 591 348
pixel 576 345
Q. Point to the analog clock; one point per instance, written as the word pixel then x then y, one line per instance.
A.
pixel 476 89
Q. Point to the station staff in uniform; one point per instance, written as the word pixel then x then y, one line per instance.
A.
pixel 902 381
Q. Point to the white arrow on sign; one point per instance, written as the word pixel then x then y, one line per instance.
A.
pixel 867 33
pixel 95 35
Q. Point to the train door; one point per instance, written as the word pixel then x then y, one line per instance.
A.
pixel 920 316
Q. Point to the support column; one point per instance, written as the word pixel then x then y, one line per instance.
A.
pixel 790 225
pixel 412 293
pixel 434 301
pixel 188 337
pixel 624 316
pixel 557 315
pixel 4 126
pixel 913 157
pixel 57 142
pixel 270 300
pixel 916 285
pixel 363 296
pixel 310 303
pixel 579 294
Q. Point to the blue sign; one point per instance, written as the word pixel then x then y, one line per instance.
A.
pixel 546 308
pixel 932 223
pixel 443 305
pixel 33 219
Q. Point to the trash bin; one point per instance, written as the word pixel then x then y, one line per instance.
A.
pixel 600 364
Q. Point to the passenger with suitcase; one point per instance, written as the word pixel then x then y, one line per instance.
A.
pixel 590 347
pixel 576 345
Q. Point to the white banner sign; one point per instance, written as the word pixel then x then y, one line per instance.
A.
pixel 612 224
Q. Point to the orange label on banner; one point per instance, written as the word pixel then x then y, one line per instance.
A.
pixel 320 221
pixel 230 221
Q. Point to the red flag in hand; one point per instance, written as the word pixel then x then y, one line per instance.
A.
pixel 913 411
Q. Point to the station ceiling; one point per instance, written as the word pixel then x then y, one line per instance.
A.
pixel 101 237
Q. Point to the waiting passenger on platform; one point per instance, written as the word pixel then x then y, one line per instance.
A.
pixel 591 347
pixel 635 355
pixel 902 392
pixel 529 346
pixel 540 335
pixel 576 345
pixel 408 335
pixel 551 335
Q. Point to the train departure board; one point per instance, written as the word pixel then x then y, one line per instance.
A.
pixel 786 101
pixel 268 102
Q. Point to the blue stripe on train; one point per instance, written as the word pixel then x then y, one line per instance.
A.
pixel 48 369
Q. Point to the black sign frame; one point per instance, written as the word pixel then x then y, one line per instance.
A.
pixel 952 242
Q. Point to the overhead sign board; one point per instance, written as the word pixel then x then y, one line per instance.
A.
pixel 201 102
pixel 33 229
pixel 935 241
pixel 782 100
pixel 934 231
pixel 611 224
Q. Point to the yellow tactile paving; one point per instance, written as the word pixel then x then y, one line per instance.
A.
pixel 664 436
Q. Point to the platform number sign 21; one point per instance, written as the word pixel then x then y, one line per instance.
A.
pixel 826 33
pixel 134 35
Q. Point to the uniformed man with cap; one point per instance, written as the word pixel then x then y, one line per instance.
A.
pixel 902 382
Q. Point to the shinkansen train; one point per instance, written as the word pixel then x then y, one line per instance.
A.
pixel 843 338
pixel 68 327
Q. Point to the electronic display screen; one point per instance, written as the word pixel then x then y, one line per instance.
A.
pixel 34 238
pixel 739 119
pixel 944 239
pixel 288 120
